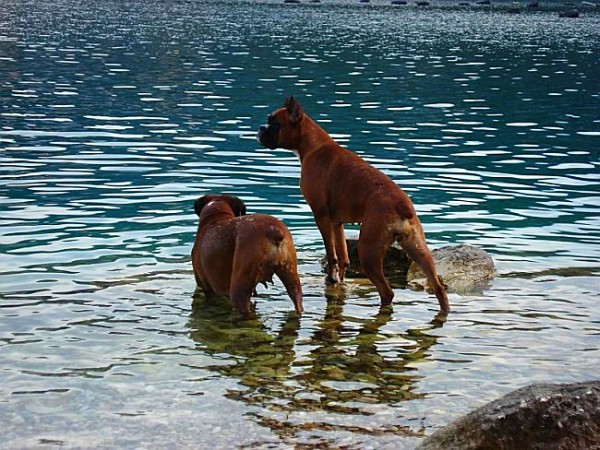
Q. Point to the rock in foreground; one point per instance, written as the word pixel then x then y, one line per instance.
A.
pixel 540 416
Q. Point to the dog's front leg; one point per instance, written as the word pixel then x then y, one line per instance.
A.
pixel 240 294
pixel 327 233
pixel 341 249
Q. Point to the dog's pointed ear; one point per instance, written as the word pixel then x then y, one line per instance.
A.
pixel 201 203
pixel 237 206
pixel 294 109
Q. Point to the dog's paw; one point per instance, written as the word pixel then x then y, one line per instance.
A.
pixel 332 278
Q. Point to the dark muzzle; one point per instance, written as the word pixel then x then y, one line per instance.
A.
pixel 268 135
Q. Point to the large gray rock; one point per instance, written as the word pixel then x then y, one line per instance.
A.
pixel 463 268
pixel 540 416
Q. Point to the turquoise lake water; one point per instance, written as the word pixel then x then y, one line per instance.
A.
pixel 115 116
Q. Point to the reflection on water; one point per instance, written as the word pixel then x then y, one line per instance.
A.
pixel 351 366
pixel 116 116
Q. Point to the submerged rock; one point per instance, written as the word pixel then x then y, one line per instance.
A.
pixel 572 14
pixel 540 416
pixel 464 268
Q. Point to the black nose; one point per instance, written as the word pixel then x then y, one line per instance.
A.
pixel 260 134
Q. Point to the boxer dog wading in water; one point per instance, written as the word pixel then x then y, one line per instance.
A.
pixel 233 252
pixel 340 187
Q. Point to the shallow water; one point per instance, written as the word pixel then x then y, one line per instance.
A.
pixel 115 117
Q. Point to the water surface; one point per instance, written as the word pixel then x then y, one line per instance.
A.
pixel 115 116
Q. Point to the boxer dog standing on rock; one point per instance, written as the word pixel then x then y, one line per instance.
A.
pixel 340 187
pixel 233 252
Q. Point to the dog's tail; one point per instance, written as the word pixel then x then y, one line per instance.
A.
pixel 405 207
pixel 409 234
pixel 275 234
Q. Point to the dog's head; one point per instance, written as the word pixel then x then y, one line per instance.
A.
pixel 237 206
pixel 283 126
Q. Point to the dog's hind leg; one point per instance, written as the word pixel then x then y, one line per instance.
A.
pixel 373 242
pixel 240 293
pixel 412 240
pixel 244 278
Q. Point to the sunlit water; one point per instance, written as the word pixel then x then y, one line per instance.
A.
pixel 115 116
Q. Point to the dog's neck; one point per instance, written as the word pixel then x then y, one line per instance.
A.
pixel 313 138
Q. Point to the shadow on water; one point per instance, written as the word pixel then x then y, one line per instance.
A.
pixel 347 367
